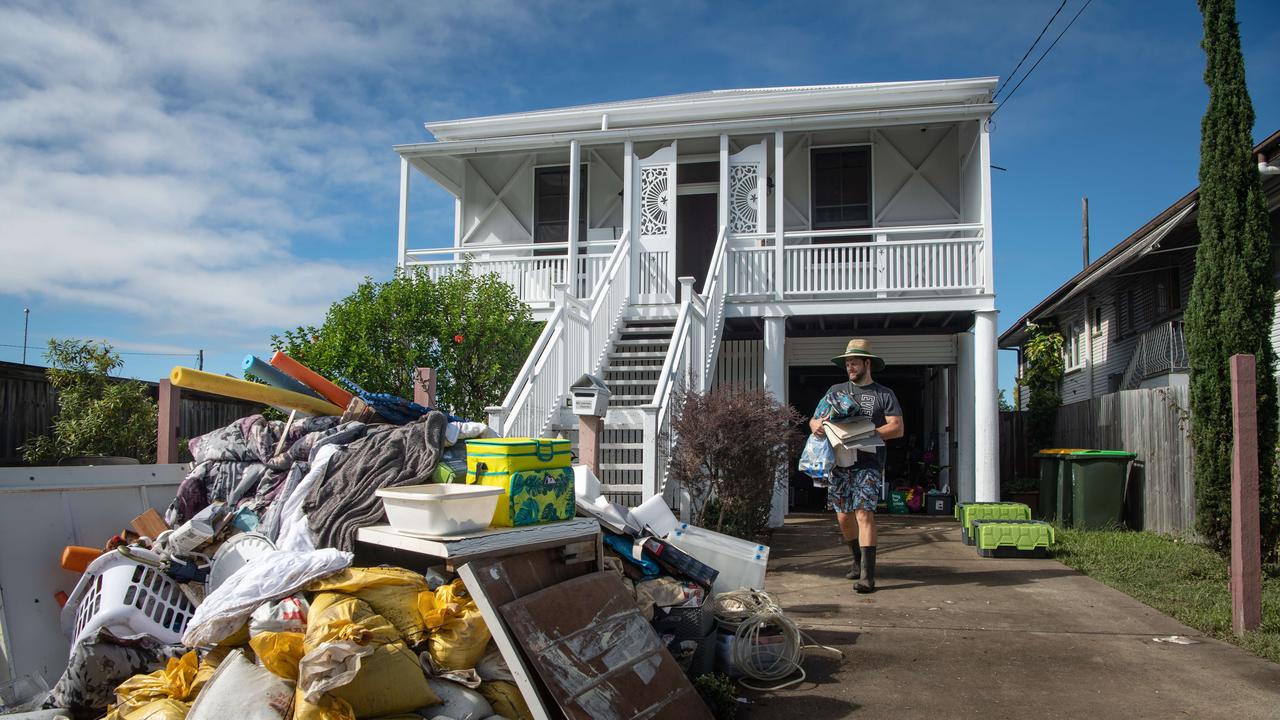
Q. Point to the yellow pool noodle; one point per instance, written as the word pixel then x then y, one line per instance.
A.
pixel 192 379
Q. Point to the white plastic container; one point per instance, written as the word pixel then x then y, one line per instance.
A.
pixel 127 598
pixel 439 510
pixel 235 553
pixel 741 564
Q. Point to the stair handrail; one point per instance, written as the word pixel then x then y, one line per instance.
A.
pixel 695 342
pixel 715 298
pixel 605 299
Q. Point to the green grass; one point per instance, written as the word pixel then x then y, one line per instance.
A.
pixel 1180 579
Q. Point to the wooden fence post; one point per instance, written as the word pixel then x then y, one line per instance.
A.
pixel 168 416
pixel 424 387
pixel 1246 542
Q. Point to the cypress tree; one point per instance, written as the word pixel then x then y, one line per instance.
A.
pixel 1231 305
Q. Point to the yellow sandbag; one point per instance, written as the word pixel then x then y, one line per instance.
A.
pixel 208 666
pixel 166 709
pixel 176 681
pixel 390 680
pixel 506 699
pixel 279 652
pixel 329 708
pixel 391 592
pixel 458 632
pixel 239 638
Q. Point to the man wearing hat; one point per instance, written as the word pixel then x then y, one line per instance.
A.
pixel 855 489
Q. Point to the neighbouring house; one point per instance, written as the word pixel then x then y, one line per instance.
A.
pixel 1126 383
pixel 736 236
pixel 1121 317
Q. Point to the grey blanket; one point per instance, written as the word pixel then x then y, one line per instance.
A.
pixel 388 456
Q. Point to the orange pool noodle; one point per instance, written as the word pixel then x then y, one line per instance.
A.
pixel 311 379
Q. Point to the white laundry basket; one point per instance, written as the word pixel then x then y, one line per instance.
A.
pixel 128 598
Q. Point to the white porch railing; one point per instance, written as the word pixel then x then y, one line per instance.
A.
pixel 574 341
pixel 891 260
pixel 531 269
pixel 691 359
pixel 1160 350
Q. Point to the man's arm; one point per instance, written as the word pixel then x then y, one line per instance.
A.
pixel 892 427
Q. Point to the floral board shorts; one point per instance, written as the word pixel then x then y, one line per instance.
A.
pixel 853 489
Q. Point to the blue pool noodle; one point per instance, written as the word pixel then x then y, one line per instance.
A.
pixel 273 377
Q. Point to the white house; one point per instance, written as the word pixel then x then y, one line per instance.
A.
pixel 737 235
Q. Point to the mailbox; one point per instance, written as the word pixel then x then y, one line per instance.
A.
pixel 590 396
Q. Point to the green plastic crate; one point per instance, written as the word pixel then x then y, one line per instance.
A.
pixel 1013 538
pixel 967 513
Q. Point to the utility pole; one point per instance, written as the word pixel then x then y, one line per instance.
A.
pixel 1084 221
pixel 26 323
pixel 200 359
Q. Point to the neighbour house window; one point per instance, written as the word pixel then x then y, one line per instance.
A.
pixel 1125 313
pixel 1168 292
pixel 551 204
pixel 840 188
pixel 1073 357
pixel 1097 320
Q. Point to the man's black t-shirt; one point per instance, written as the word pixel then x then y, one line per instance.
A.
pixel 845 400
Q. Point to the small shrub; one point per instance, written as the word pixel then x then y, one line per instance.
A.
pixel 732 446
pixel 719 693
pixel 97 415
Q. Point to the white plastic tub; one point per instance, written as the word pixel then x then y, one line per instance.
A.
pixel 741 564
pixel 439 510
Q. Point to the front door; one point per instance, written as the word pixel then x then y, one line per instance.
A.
pixel 696 230
pixel 654 261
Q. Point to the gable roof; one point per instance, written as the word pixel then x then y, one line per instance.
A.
pixel 720 105
pixel 1138 244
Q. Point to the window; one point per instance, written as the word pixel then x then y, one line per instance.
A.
pixel 551 204
pixel 1168 292
pixel 1072 355
pixel 840 187
pixel 1126 322
pixel 1097 320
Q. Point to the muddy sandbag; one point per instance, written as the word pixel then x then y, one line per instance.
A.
pixel 391 592
pixel 506 699
pixel 355 655
pixel 279 652
pixel 176 681
pixel 240 689
pixel 459 635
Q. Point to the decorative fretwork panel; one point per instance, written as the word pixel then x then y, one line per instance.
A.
pixel 654 273
pixel 655 194
pixel 744 198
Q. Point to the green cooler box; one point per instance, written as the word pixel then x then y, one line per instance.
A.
pixel 1052 462
pixel 1091 490
pixel 968 513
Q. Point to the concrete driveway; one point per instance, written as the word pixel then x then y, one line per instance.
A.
pixel 950 634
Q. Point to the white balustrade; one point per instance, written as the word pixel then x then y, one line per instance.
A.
pixel 532 270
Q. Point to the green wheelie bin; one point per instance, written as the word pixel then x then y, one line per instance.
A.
pixel 1092 494
pixel 1052 463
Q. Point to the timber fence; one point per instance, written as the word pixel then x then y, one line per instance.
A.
pixel 28 405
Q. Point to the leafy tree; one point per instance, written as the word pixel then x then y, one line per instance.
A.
pixel 1231 304
pixel 728 446
pixel 97 415
pixel 1043 353
pixel 471 328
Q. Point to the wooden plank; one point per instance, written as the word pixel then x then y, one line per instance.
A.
pixel 496 582
pixel 149 523
pixel 599 658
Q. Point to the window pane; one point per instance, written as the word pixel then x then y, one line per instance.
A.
pixel 841 187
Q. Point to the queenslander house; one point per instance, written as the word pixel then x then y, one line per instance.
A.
pixel 737 236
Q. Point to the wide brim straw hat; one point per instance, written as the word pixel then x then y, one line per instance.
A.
pixel 859 347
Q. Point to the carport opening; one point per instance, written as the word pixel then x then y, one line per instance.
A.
pixel 805 387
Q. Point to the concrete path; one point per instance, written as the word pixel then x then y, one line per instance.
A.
pixel 953 635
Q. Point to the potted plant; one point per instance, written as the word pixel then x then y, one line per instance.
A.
pixel 1023 490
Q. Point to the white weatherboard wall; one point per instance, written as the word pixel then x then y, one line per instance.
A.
pixel 42 510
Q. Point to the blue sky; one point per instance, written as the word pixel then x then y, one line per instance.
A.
pixel 185 176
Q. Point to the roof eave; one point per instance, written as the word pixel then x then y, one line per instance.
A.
pixel 670 110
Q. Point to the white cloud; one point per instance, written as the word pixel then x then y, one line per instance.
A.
pixel 193 165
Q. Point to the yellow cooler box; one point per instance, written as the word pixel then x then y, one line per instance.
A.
pixel 535 475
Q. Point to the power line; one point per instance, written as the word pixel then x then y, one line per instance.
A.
pixel 1042 56
pixel 118 352
pixel 1009 77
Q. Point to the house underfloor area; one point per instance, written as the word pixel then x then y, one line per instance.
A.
pixel 952 634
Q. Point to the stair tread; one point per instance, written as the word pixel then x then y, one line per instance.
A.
pixel 644 355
